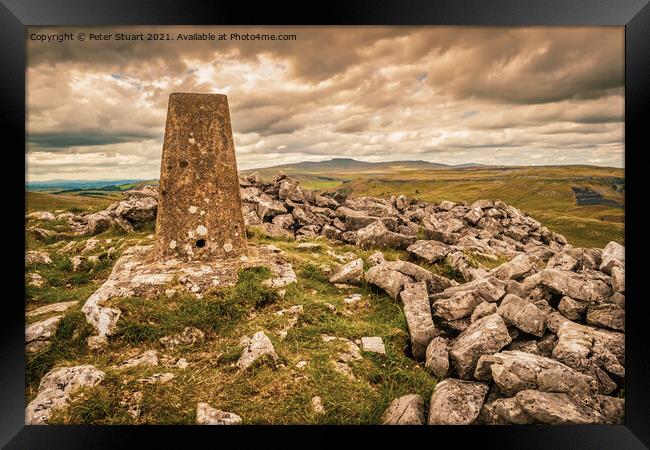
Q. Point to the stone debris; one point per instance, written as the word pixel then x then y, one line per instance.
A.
pixel 374 344
pixel 317 405
pixel 437 357
pixel 55 389
pixel 293 313
pixel 35 279
pixel 148 358
pixel 405 410
pixel 456 402
pixel 54 307
pixel 255 347
pixel 157 378
pixel 37 335
pixel 207 415
pixel 350 273
pixel 34 257
pixel 189 336
pixel 417 310
pixel 182 363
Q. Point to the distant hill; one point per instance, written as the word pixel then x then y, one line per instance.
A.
pixel 353 165
pixel 75 185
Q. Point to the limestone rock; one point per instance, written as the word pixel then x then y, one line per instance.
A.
pixel 37 335
pixel 148 358
pixel 255 347
pixel 373 344
pixel 376 235
pixel 418 317
pixel 405 410
pixel 574 285
pixel 456 402
pixel 618 279
pixel 514 371
pixel 350 273
pixel 437 357
pixel 572 309
pixel 41 215
pixel 189 336
pixel 486 336
pixel 483 309
pixel 613 256
pixel 608 315
pixel 207 415
pixel 519 267
pixel 56 387
pixel 389 280
pixel 430 251
pixel 54 307
pixel 523 314
pixel 555 408
pixel 34 257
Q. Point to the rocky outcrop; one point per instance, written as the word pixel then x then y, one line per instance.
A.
pixel 55 389
pixel 254 348
pixel 207 415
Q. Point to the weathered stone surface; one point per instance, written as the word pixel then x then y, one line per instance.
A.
pixel 207 415
pixel 350 273
pixel 618 279
pixel 54 307
pixel 255 347
pixel 37 335
pixel 389 280
pixel 376 235
pixel 56 387
pixel 523 314
pixel 41 215
pixel 456 402
pixel 373 344
pixel 458 305
pixel 572 309
pixel 189 336
pixel 613 256
pixel 514 371
pixel 34 257
pixel 518 267
pixel 417 311
pixel 555 408
pixel 611 408
pixel 148 358
pixel 35 279
pixel 437 357
pixel 486 336
pixel 405 410
pixel 430 251
pixel 317 405
pixel 489 289
pixel 608 315
pixel 508 410
pixel 483 309
pixel 199 209
pixel 574 285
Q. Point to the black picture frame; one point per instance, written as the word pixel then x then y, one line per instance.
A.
pixel 15 15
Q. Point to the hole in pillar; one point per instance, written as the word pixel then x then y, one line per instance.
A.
pixel 183 163
pixel 200 243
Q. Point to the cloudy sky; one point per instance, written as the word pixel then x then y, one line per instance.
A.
pixel 513 96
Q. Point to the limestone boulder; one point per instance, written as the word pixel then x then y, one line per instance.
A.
pixel 523 315
pixel 207 415
pixel 376 235
pixel 518 267
pixel 514 371
pixel 437 357
pixel 254 348
pixel 574 285
pixel 456 402
pixel 350 273
pixel 405 410
pixel 430 251
pixel 55 389
pixel 387 279
pixel 613 256
pixel 486 336
pixel 417 311
pixel 556 408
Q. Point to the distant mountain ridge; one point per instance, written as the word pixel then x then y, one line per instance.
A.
pixel 75 184
pixel 349 164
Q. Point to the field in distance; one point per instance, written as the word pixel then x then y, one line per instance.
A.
pixel 584 203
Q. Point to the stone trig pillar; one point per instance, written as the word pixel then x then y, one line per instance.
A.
pixel 199 204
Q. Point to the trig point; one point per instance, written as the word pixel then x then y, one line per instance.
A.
pixel 199 206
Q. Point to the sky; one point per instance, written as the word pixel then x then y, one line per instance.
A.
pixel 510 96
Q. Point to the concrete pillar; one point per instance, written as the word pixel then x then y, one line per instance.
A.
pixel 199 204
